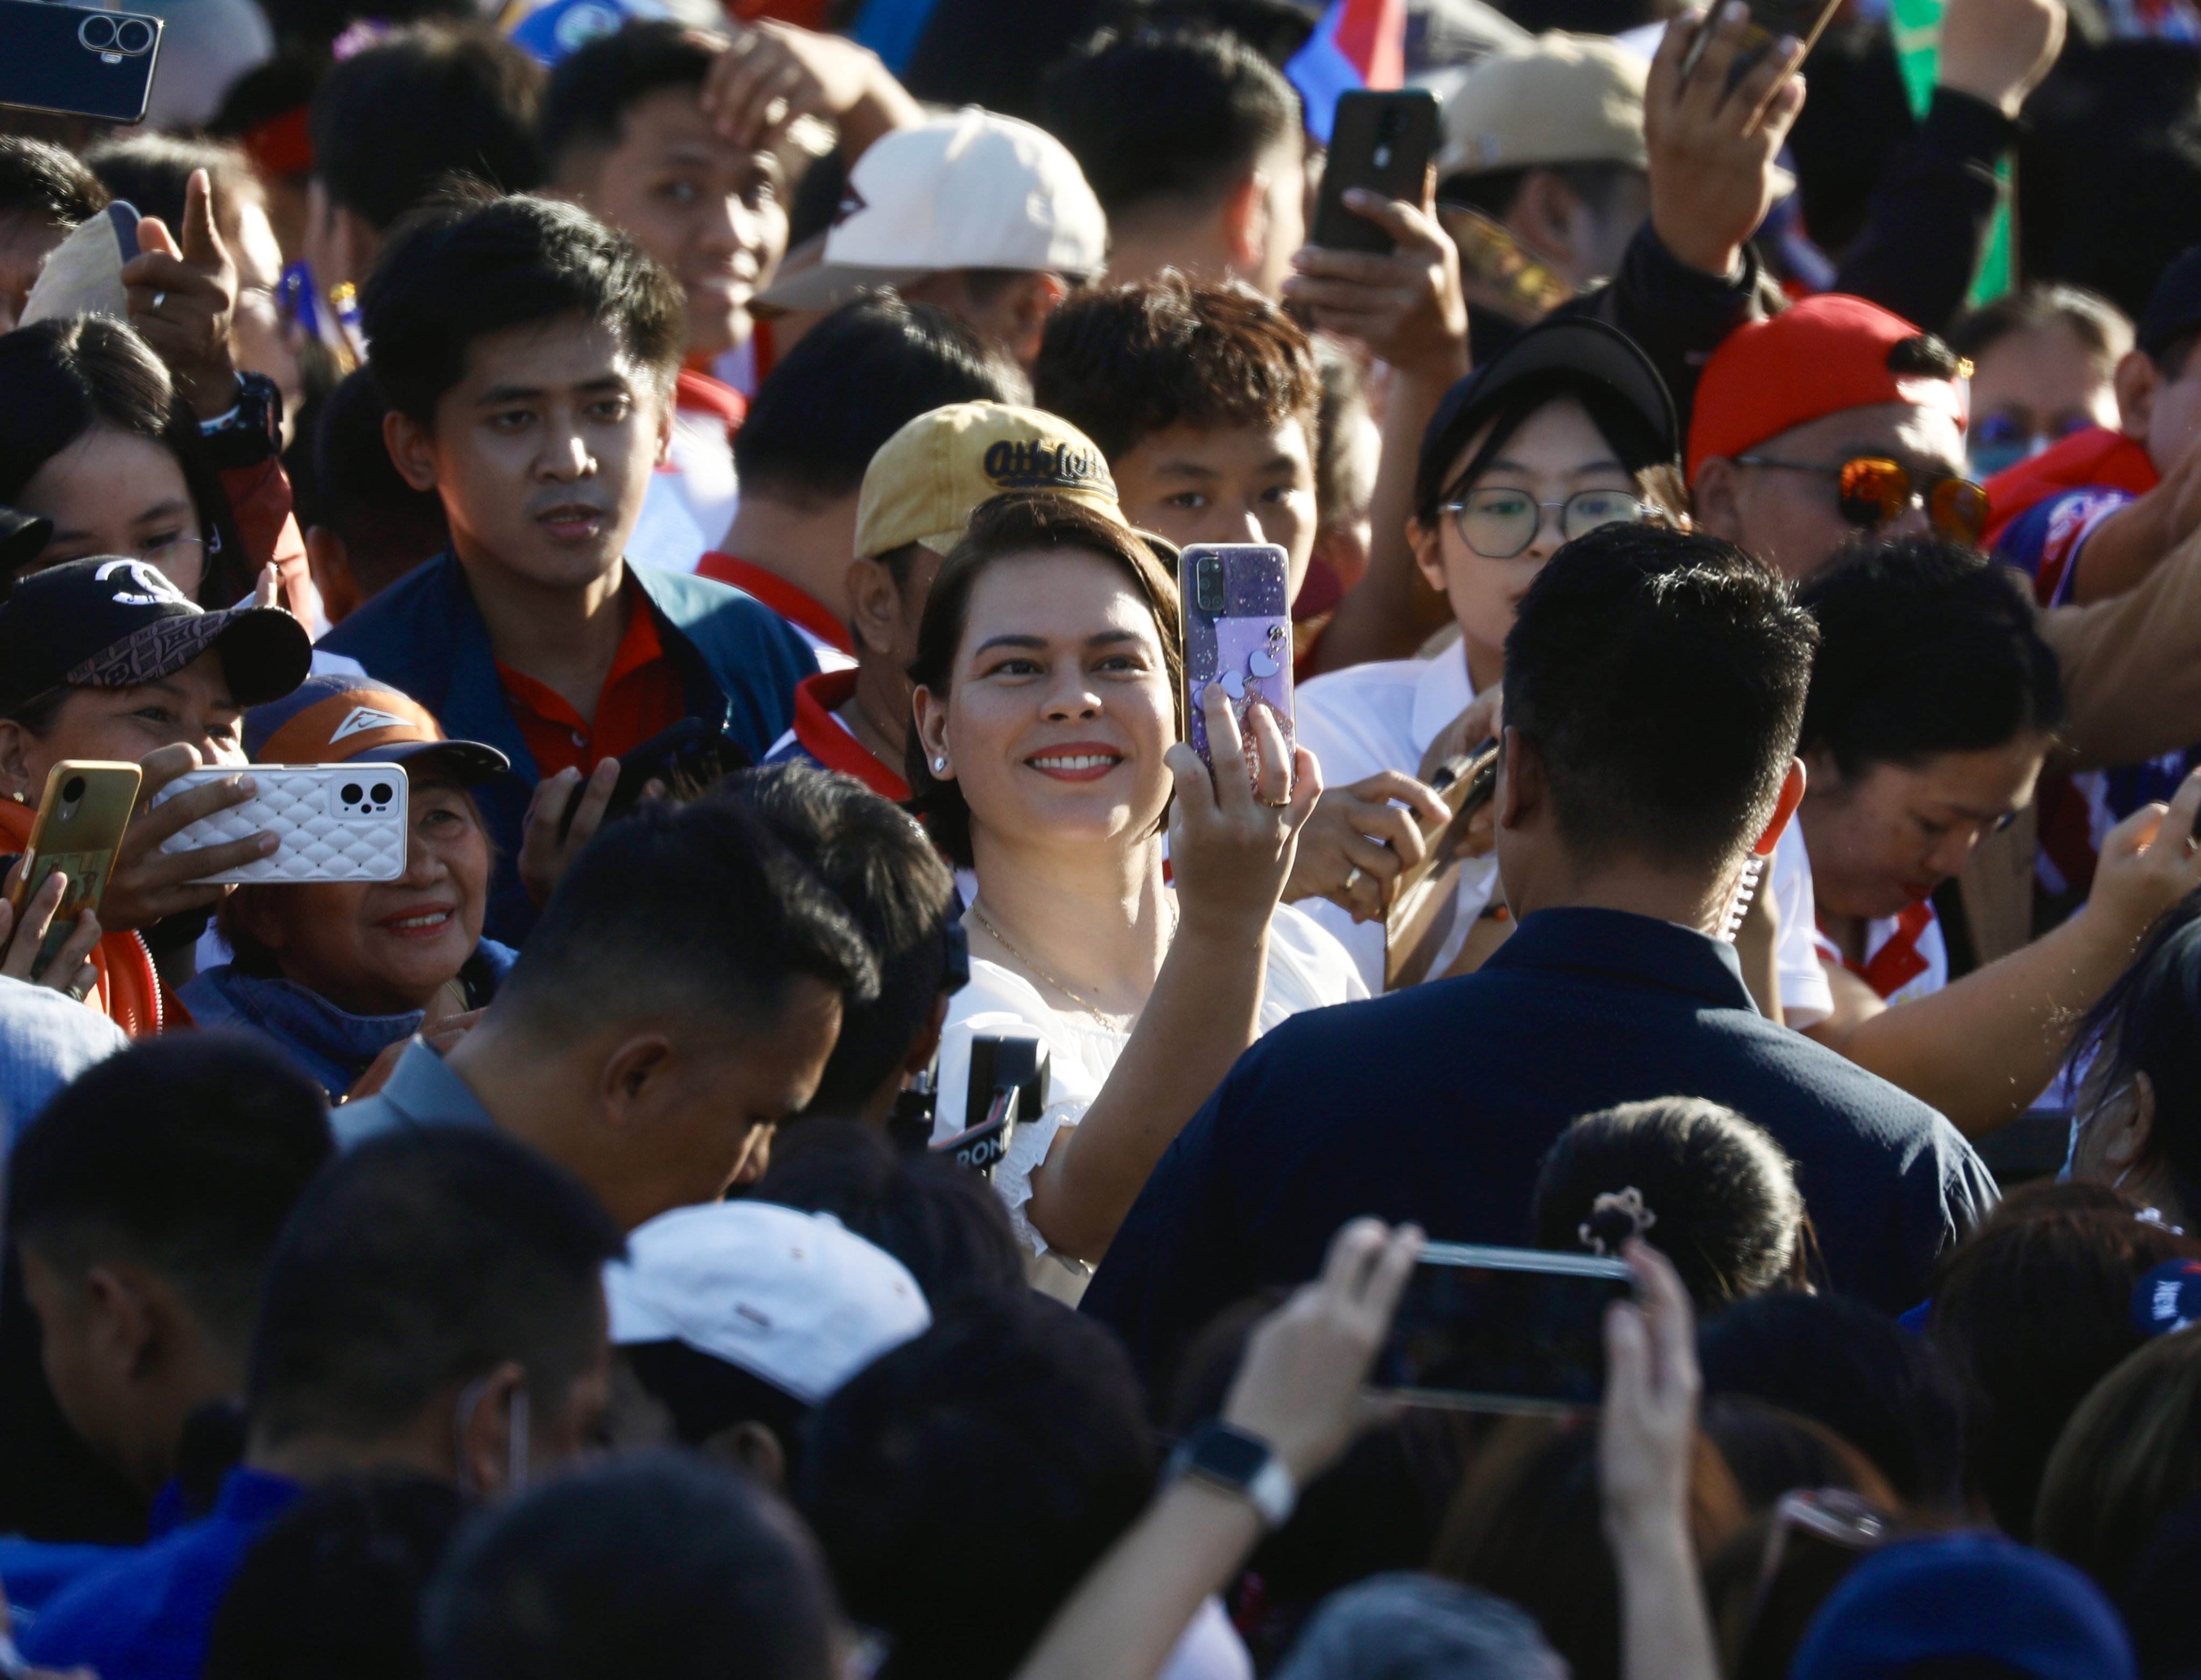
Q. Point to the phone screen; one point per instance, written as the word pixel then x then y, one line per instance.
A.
pixel 1502 1330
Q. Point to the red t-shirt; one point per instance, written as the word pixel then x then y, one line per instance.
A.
pixel 642 697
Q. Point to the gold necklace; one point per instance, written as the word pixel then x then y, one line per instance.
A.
pixel 1002 939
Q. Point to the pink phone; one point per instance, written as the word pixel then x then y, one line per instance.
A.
pixel 1237 632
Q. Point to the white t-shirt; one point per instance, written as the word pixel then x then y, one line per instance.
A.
pixel 1306 971
pixel 1925 968
pixel 1806 996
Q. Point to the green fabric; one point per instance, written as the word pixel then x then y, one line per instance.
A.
pixel 1915 25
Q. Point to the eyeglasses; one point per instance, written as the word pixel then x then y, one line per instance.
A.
pixel 1875 490
pixel 1499 524
pixel 188 552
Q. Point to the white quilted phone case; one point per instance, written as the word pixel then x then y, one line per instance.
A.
pixel 336 822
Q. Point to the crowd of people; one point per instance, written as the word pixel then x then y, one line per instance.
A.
pixel 850 1148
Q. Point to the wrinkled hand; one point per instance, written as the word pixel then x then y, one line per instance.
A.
pixel 773 72
pixel 544 855
pixel 70 970
pixel 1301 1386
pixel 182 300
pixel 1232 840
pixel 2000 51
pixel 1713 150
pixel 1358 841
pixel 147 883
pixel 2150 860
pixel 1647 1432
pixel 1408 307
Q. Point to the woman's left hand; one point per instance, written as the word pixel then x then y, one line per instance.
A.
pixel 181 300
pixel 1232 837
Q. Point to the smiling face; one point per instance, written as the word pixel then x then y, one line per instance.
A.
pixel 1886 837
pixel 709 211
pixel 1557 452
pixel 122 726
pixel 542 452
pixel 379 948
pixel 116 492
pixel 1235 484
pixel 1061 710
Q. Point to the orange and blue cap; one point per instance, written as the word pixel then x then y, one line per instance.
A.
pixel 332 719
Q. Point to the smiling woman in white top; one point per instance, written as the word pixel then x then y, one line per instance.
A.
pixel 1047 750
pixel 1568 428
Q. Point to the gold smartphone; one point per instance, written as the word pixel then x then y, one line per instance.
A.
pixel 81 820
pixel 1497 272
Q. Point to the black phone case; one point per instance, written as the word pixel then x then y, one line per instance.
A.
pixel 1383 142
pixel 76 60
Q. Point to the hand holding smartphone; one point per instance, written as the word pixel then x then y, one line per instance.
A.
pixel 1381 143
pixel 332 822
pixel 82 817
pixel 1237 636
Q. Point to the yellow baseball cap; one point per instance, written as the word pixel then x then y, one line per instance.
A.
pixel 927 480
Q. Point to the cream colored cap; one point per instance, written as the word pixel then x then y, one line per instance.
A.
pixel 1560 98
pixel 927 480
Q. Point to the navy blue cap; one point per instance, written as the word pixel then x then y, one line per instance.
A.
pixel 2173 308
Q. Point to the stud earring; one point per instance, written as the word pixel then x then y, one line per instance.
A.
pixel 940 767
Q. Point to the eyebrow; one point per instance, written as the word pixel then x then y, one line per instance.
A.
pixel 496 395
pixel 160 510
pixel 1505 464
pixel 1098 639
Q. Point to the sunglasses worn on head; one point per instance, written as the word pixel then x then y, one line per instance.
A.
pixel 1499 524
pixel 1875 490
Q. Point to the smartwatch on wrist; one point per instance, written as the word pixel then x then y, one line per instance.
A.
pixel 1239 1463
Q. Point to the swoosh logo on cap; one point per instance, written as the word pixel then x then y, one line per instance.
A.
pixel 360 719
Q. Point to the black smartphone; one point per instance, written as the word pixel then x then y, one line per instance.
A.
pixel 76 60
pixel 1502 1330
pixel 1769 20
pixel 689 759
pixel 1383 142
pixel 981 1146
pixel 999 1063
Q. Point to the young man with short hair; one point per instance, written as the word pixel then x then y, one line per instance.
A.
pixel 676 1001
pixel 526 353
pixel 854 380
pixel 434 1304
pixel 1655 683
pixel 1192 140
pixel 1204 397
pixel 982 215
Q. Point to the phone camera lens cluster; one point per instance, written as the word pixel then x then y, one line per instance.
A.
pixel 381 795
pixel 128 37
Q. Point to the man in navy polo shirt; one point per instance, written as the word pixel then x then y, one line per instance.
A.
pixel 1654 685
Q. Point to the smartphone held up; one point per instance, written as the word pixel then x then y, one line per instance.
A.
pixel 78 61
pixel 1237 636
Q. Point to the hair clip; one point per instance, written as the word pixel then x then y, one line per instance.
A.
pixel 1610 1207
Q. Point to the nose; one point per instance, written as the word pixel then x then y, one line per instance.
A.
pixel 1953 851
pixel 1550 536
pixel 566 456
pixel 1243 526
pixel 1910 522
pixel 729 227
pixel 423 864
pixel 1071 696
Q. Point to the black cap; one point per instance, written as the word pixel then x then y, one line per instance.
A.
pixel 105 623
pixel 2173 308
pixel 1574 344
pixel 23 538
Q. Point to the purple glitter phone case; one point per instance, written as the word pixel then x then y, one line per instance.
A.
pixel 1237 632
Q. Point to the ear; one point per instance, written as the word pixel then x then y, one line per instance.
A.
pixel 1519 795
pixel 17 777
pixel 1246 221
pixel 1716 498
pixel 631 1076
pixel 2138 379
pixel 2131 1125
pixel 1792 796
pixel 927 1042
pixel 752 1449
pixel 489 1432
pixel 1542 216
pixel 1427 542
pixel 756 1159
pixel 931 716
pixel 122 1320
pixel 874 605
pixel 411 449
pixel 664 424
pixel 1036 296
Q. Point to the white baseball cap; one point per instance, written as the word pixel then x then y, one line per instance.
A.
pixel 970 191
pixel 795 1299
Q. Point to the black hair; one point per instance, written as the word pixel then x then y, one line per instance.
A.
pixel 153 172
pixel 2103 330
pixel 1659 676
pixel 1016 524
pixel 435 100
pixel 61 378
pixel 593 88
pixel 467 266
pixel 1634 441
pixel 1697 1181
pixel 1124 364
pixel 856 379
pixel 273 91
pixel 388 526
pixel 1179 114
pixel 651 1564
pixel 704 1396
pixel 46 183
pixel 331 1589
pixel 695 910
pixel 423 1259
pixel 1836 1360
pixel 184 1153
pixel 2031 1312
pixel 942 1221
pixel 2145 1024
pixel 878 862
pixel 1007 1445
pixel 1924 648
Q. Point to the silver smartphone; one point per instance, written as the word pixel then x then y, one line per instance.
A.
pixel 333 822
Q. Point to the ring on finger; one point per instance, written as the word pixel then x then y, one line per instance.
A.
pixel 159 298
pixel 1352 877
pixel 78 990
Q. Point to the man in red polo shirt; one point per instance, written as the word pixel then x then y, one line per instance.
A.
pixel 919 494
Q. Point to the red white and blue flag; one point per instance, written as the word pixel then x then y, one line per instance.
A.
pixel 1359 43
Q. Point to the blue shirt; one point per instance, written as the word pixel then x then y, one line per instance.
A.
pixel 46 1039
pixel 148 1615
pixel 1437 1105
pixel 421 1090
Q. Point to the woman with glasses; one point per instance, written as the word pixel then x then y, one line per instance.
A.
pixel 1568 428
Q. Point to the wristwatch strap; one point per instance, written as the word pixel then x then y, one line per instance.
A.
pixel 1240 1462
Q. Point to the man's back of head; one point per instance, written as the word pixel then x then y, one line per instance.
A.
pixel 1658 678
pixel 434 1288
pixel 145 1202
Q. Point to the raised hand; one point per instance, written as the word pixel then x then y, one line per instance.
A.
pixel 548 843
pixel 1407 307
pixel 1358 840
pixel 1712 146
pixel 2000 51
pixel 2149 862
pixel 1231 839
pixel 147 883
pixel 182 299
pixel 771 73
pixel 70 970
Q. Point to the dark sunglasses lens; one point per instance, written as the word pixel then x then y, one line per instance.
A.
pixel 1958 508
pixel 1873 491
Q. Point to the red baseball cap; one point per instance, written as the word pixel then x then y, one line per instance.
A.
pixel 1814 359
